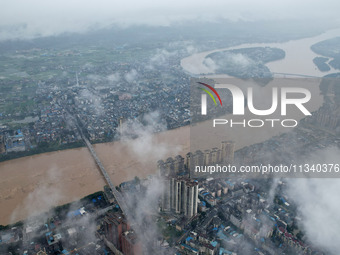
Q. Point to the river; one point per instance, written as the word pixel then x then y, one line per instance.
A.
pixel 34 184
pixel 298 62
pixel 298 59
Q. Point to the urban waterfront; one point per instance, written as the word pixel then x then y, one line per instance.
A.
pixel 105 149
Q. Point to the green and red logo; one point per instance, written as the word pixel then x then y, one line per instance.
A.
pixel 209 93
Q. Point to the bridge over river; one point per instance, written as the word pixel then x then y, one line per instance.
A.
pixel 116 194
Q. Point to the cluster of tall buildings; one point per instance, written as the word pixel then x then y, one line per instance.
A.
pixel 180 194
pixel 210 157
pixel 181 166
pixel 172 167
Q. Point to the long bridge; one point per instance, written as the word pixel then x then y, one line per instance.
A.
pixel 115 192
pixel 294 75
pixel 118 197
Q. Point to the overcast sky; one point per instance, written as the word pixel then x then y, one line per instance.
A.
pixel 32 18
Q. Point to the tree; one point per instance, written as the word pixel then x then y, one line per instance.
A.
pixel 137 180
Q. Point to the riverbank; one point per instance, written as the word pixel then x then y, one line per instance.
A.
pixel 298 59
pixel 34 184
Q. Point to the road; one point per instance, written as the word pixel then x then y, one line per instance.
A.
pixel 118 197
pixel 115 192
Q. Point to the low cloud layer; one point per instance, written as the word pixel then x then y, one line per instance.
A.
pixel 94 100
pixel 317 201
pixel 43 197
pixel 318 205
pixel 21 19
pixel 145 210
pixel 131 76
pixel 146 147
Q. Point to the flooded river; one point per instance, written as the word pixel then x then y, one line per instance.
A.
pixel 35 184
pixel 298 59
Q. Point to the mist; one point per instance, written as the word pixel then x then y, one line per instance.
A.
pixel 21 19
pixel 144 204
pixel 145 147
pixel 318 205
pixel 42 198
pixel 94 100
pixel 145 211
pixel 317 201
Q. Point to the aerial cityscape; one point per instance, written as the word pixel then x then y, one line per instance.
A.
pixel 171 128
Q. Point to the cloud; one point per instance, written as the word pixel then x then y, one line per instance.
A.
pixel 94 77
pixel 236 60
pixel 22 19
pixel 318 204
pixel 161 58
pixel 317 201
pixel 93 100
pixel 211 64
pixel 240 60
pixel 131 76
pixel 113 78
pixel 145 208
pixel 43 197
pixel 146 147
pixel 138 136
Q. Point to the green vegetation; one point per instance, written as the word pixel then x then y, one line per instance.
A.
pixel 41 64
pixel 169 232
pixel 331 49
pixel 331 81
pixel 137 180
pixel 320 62
pixel 17 224
pixel 244 63
pixel 60 210
pixel 21 72
pixel 41 148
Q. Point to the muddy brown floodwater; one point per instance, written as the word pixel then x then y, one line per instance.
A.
pixel 34 184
